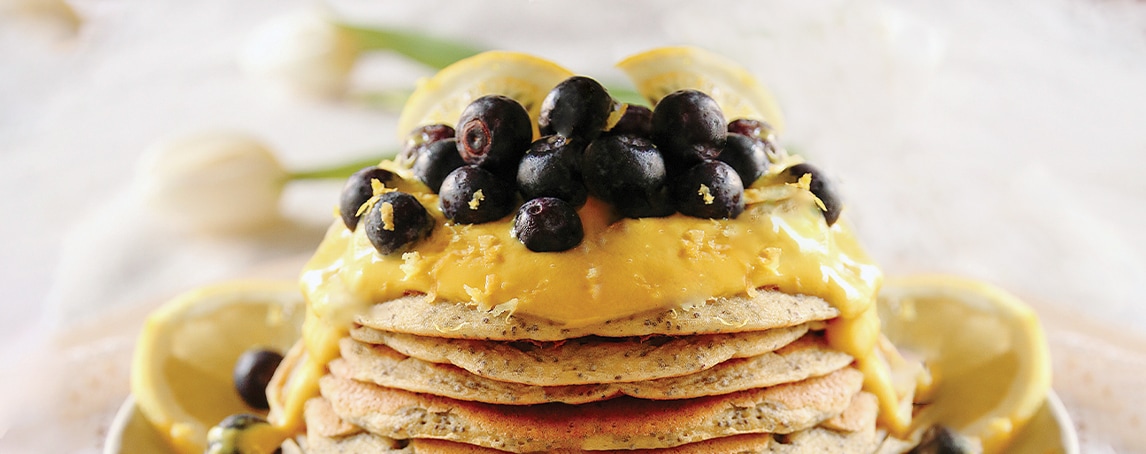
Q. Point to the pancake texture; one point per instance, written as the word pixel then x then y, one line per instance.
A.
pixel 622 423
pixel 776 390
pixel 815 440
pixel 381 365
pixel 585 360
pixel 767 309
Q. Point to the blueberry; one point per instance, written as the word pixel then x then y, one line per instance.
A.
pixel 397 221
pixel 493 132
pixel 711 189
pixel 240 433
pixel 942 440
pixel 252 373
pixel 435 161
pixel 747 155
pixel 626 171
pixel 552 168
pixel 752 128
pixel 242 421
pixel 358 189
pixel 419 139
pixel 548 224
pixel 576 107
pixel 473 195
pixel 657 204
pixel 637 120
pixel 688 127
pixel 820 186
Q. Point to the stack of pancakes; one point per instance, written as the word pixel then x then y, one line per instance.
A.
pixel 731 375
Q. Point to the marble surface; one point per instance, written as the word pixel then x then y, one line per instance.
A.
pixel 1001 142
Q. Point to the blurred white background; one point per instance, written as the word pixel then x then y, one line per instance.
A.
pixel 998 140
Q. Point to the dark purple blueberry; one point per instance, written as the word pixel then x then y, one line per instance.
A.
pixel 548 224
pixel 552 168
pixel 576 107
pixel 358 189
pixel 397 221
pixel 752 128
pixel 688 127
pixel 820 186
pixel 747 155
pixel 252 373
pixel 711 189
pixel 493 132
pixel 238 422
pixel 637 120
pixel 473 195
pixel 625 171
pixel 435 161
pixel 942 440
pixel 658 204
pixel 419 139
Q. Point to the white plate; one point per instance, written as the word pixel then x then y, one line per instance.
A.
pixel 1050 431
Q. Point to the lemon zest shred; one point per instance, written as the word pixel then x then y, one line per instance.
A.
pixel 386 212
pixel 705 193
pixel 378 188
pixel 410 261
pixel 475 202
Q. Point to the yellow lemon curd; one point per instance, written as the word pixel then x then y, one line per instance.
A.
pixel 621 268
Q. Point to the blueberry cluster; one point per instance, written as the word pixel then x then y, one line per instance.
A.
pixel 680 157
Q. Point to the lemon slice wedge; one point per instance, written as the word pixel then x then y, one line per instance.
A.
pixel 984 348
pixel 664 70
pixel 441 98
pixel 181 374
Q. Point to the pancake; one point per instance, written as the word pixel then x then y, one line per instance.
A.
pixel 622 423
pixel 333 438
pixel 765 310
pixel 857 416
pixel 587 360
pixel 807 357
pixel 817 440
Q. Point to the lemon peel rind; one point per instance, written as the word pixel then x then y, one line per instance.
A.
pixel 660 71
pixel 441 98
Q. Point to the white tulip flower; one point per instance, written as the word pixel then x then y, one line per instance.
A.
pixel 54 19
pixel 215 182
pixel 300 54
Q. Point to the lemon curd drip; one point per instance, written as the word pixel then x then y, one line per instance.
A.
pixel 622 267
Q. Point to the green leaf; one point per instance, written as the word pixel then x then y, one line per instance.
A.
pixel 389 100
pixel 342 171
pixel 429 50
pixel 627 95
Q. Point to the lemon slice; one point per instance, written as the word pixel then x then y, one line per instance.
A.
pixel 441 98
pixel 181 374
pixel 984 348
pixel 661 71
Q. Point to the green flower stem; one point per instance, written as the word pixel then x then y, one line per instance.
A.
pixel 340 171
pixel 433 51
pixel 389 99
pixel 428 50
pixel 626 95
